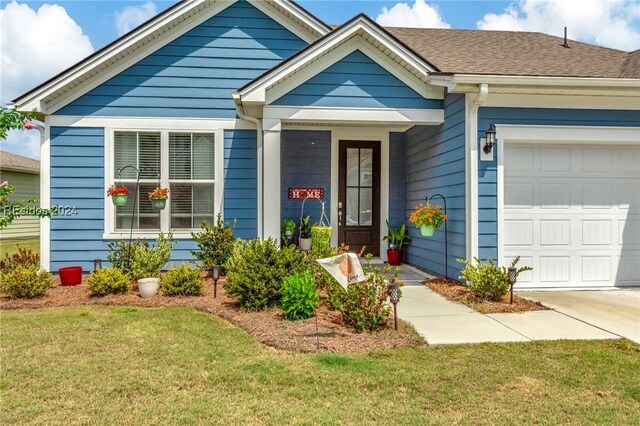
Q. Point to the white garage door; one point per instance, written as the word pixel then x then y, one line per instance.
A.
pixel 572 212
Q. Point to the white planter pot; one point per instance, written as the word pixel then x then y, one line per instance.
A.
pixel 305 244
pixel 148 287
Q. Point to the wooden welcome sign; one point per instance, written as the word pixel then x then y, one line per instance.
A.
pixel 302 193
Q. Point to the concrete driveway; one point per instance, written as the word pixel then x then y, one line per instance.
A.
pixel 616 311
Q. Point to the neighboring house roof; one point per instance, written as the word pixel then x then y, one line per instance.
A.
pixel 18 163
pixel 516 53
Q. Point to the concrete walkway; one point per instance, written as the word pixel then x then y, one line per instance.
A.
pixel 443 322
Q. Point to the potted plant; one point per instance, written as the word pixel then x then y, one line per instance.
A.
pixel 305 234
pixel 397 239
pixel 288 228
pixel 119 194
pixel 159 198
pixel 428 218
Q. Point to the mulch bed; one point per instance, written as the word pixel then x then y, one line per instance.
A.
pixel 456 292
pixel 268 327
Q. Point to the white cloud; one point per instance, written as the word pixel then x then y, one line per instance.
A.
pixel 22 142
pixel 35 45
pixel 420 15
pixel 611 23
pixel 132 16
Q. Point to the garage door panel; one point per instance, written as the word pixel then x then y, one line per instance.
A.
pixel 573 213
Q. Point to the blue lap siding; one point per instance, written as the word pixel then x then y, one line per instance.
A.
pixel 435 163
pixel 397 184
pixel 194 75
pixel 356 81
pixel 305 163
pixel 487 184
pixel 241 181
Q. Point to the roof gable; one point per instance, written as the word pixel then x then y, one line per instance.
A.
pixel 148 37
pixel 361 33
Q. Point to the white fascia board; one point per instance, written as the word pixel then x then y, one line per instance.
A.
pixel 312 28
pixel 568 134
pixel 545 81
pixel 148 122
pixel 38 99
pixel 256 92
pixel 372 116
pixel 562 101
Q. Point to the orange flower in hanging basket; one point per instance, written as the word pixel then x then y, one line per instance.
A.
pixel 428 215
pixel 118 190
pixel 159 194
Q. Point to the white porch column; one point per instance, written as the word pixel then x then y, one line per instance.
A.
pixel 271 181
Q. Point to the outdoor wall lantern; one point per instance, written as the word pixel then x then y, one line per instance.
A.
pixel 512 271
pixel 97 264
pixel 490 140
pixel 394 297
pixel 215 273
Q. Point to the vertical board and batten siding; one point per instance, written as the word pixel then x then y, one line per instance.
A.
pixel 487 171
pixel 397 180
pixel 305 162
pixel 241 181
pixel 27 185
pixel 195 74
pixel 356 81
pixel 435 163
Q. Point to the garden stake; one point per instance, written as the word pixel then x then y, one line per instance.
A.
pixel 512 280
pixel 446 233
pixel 215 273
pixel 394 297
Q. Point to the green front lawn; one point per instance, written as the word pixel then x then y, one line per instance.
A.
pixel 11 246
pixel 86 365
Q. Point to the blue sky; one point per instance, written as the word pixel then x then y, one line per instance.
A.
pixel 38 39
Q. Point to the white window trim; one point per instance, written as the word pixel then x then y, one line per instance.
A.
pixel 110 233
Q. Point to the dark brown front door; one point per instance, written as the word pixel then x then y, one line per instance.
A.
pixel 359 196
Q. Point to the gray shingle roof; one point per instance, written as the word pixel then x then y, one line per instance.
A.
pixel 15 162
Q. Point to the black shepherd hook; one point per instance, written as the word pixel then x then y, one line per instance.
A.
pixel 446 233
pixel 135 202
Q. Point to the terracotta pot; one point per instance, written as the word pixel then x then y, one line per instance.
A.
pixel 427 230
pixel 71 275
pixel 119 200
pixel 148 287
pixel 305 244
pixel 394 257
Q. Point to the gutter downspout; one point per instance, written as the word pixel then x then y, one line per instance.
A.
pixel 260 168
pixel 472 171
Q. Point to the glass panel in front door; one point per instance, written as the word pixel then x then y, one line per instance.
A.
pixel 359 187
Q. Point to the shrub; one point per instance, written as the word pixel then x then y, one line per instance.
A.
pixel 147 261
pixel 299 296
pixel 25 282
pixel 119 252
pixel 256 269
pixel 182 281
pixel 24 257
pixel 108 281
pixel 215 243
pixel 488 282
pixel 364 305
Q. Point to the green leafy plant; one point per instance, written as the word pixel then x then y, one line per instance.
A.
pixel 364 305
pixel 108 281
pixel 397 238
pixel 11 119
pixel 321 240
pixel 256 269
pixel 12 209
pixel 121 251
pixel 215 243
pixel 489 281
pixel 305 227
pixel 182 281
pixel 288 226
pixel 25 281
pixel 24 257
pixel 147 261
pixel 299 296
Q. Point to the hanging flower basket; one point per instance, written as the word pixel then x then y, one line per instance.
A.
pixel 119 194
pixel 159 198
pixel 428 218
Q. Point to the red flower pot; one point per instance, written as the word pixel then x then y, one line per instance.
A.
pixel 71 275
pixel 394 256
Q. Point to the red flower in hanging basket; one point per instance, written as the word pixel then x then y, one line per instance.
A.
pixel 118 190
pixel 159 194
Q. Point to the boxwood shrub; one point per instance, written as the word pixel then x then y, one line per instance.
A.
pixel 182 281
pixel 25 282
pixel 108 281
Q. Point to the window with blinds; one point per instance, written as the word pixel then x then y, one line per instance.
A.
pixel 191 179
pixel 141 150
pixel 190 176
